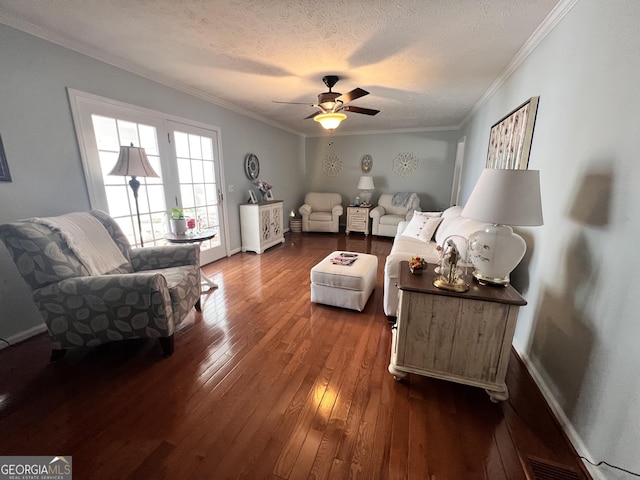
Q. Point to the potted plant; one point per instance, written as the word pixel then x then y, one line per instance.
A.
pixel 178 222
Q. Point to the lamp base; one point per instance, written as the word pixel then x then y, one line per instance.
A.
pixel 365 198
pixel 494 252
pixel 482 280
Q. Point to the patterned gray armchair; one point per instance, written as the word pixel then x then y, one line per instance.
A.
pixel 147 296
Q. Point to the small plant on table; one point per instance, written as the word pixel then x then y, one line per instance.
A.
pixel 417 264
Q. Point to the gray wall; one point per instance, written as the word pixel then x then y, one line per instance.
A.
pixel 432 180
pixel 581 327
pixel 40 143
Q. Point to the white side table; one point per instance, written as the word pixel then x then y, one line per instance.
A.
pixel 358 219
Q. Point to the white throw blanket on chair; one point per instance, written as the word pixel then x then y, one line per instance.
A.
pixel 402 199
pixel 88 239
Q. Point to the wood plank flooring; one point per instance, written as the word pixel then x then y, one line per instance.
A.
pixel 264 384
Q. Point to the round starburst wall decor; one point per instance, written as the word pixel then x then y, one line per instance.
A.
pixel 405 164
pixel 332 165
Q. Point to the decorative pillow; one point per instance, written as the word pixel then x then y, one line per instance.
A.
pixel 429 214
pixel 422 226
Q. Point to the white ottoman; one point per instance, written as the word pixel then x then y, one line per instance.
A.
pixel 346 286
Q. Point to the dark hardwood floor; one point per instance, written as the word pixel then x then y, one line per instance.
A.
pixel 264 384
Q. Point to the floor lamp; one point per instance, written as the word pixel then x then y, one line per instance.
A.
pixel 133 161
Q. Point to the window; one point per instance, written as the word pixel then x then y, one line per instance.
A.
pixel 110 133
pixel 185 156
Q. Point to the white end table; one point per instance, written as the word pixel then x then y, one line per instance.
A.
pixel 358 219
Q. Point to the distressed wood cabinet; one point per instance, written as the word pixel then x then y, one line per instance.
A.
pixel 461 337
pixel 261 225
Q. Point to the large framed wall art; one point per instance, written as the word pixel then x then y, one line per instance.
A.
pixel 5 176
pixel 510 138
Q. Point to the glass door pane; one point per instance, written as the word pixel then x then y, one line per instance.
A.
pixel 110 134
pixel 196 156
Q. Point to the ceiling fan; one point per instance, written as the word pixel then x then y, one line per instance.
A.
pixel 331 105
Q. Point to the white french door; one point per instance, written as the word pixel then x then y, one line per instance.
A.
pixel 196 153
pixel 186 157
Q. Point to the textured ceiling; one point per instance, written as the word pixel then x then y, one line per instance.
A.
pixel 426 63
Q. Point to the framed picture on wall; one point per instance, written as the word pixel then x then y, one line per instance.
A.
pixel 510 138
pixel 5 176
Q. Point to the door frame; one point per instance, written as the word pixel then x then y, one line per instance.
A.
pixel 172 127
pixel 79 100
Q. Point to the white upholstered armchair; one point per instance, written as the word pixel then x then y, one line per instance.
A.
pixel 392 209
pixel 321 212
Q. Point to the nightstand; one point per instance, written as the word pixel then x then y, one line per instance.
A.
pixel 358 219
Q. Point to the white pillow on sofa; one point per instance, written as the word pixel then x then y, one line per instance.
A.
pixel 422 226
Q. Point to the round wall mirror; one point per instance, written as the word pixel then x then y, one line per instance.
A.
pixel 252 166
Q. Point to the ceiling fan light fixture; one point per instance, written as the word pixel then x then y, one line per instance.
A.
pixel 330 121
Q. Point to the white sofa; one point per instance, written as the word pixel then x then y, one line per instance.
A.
pixel 386 216
pixel 404 248
pixel 321 212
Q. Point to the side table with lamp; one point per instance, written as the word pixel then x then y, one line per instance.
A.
pixel 464 337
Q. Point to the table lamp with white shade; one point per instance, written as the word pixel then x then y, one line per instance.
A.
pixel 503 198
pixel 366 185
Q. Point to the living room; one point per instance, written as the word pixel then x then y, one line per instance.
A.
pixel 578 331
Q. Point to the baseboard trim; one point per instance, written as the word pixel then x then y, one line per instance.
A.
pixel 22 336
pixel 563 420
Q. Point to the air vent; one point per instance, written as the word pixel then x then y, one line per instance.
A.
pixel 540 469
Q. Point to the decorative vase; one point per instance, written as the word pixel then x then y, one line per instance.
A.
pixel 416 270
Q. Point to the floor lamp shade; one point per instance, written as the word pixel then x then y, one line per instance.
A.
pixel 133 161
pixel 502 197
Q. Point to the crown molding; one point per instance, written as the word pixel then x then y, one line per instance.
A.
pixel 62 40
pixel 549 23
pixel 452 128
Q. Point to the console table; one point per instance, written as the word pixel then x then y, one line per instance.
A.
pixel 461 337
pixel 261 225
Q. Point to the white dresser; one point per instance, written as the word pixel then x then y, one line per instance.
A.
pixel 261 225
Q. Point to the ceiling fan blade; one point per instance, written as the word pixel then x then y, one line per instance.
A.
pixel 352 95
pixel 365 111
pixel 312 115
pixel 295 103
